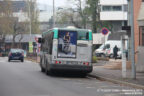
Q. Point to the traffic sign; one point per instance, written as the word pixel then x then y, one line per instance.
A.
pixel 105 31
pixel 30 47
pixel 126 27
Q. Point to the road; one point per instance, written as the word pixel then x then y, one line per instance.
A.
pixel 25 79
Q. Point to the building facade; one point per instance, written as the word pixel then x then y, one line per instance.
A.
pixel 138 31
pixel 140 21
pixel 114 11
pixel 138 24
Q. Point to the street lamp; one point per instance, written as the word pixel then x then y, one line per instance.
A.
pixel 53 13
pixel 29 18
pixel 132 41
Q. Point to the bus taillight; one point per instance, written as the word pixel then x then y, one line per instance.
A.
pixel 56 62
pixel 86 63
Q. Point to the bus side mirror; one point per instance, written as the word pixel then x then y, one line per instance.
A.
pixel 40 40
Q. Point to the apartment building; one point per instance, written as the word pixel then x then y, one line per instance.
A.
pixel 115 12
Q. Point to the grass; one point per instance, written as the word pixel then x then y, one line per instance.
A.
pixel 103 58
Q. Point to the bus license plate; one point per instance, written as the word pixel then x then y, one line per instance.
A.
pixel 71 63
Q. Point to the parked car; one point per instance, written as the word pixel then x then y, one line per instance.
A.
pixel 16 54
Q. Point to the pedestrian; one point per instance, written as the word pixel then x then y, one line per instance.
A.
pixel 115 51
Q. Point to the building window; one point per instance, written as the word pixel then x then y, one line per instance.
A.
pixel 111 8
pixel 117 8
pixel 143 36
pixel 125 8
pixel 107 8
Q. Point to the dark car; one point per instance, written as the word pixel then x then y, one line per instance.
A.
pixel 16 54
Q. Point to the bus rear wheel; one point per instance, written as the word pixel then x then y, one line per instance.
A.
pixel 83 75
pixel 42 69
pixel 48 72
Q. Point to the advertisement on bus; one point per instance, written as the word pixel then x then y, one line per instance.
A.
pixel 67 41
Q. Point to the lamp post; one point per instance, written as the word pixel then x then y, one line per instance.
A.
pixel 132 41
pixel 29 18
pixel 53 13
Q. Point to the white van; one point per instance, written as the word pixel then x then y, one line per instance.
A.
pixel 107 49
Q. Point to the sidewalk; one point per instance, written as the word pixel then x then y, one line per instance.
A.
pixel 101 70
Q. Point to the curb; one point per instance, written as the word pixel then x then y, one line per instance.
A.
pixel 117 81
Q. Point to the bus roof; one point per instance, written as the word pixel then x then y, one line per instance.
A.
pixel 70 29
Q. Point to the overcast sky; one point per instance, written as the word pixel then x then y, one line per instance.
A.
pixel 50 2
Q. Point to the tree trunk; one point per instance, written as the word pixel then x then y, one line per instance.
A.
pixel 13 41
pixel 20 41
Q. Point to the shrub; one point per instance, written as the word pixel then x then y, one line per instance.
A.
pixel 94 59
pixel 103 58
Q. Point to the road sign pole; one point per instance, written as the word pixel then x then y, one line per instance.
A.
pixel 104 40
pixel 123 57
pixel 132 41
pixel 104 32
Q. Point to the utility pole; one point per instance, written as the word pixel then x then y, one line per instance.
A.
pixel 30 27
pixel 132 41
pixel 53 13
pixel 29 2
pixel 124 66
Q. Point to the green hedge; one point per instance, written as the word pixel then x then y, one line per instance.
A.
pixel 94 59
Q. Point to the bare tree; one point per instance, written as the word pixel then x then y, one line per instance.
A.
pixel 5 20
pixel 19 28
pixel 9 24
pixel 68 16
pixel 33 14
pixel 82 12
pixel 78 16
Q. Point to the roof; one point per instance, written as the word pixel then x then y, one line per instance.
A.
pixel 26 38
pixel 71 29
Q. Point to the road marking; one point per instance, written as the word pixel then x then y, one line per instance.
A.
pixel 28 61
pixel 90 87
pixel 78 83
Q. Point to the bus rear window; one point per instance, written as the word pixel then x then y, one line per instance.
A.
pixel 83 36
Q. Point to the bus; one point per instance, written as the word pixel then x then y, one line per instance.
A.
pixel 66 49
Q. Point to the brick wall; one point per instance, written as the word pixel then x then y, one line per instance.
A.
pixel 137 5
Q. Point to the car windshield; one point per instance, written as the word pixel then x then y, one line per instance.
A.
pixel 101 47
pixel 16 50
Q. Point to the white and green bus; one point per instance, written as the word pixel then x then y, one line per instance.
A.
pixel 66 49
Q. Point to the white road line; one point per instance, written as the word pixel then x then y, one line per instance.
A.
pixel 28 61
pixel 90 87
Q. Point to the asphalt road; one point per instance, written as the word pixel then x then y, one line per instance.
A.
pixel 25 79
